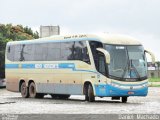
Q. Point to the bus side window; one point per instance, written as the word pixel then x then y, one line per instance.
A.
pixel 9 49
pixel 40 52
pixel 22 53
pixel 17 52
pixel 54 50
pixel 10 53
pixel 78 50
pixel 85 55
pixel 67 50
pixel 81 52
pixel 27 52
pixel 94 45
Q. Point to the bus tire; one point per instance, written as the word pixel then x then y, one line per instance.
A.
pixel 32 90
pixel 91 96
pixel 124 99
pixel 86 93
pixel 24 90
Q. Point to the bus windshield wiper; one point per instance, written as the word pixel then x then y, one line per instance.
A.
pixel 112 76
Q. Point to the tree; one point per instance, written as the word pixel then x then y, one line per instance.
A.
pixel 158 66
pixel 8 33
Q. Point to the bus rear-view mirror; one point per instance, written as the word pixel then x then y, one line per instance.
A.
pixel 106 53
pixel 152 56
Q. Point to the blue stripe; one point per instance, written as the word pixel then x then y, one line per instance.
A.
pixel 11 66
pixel 60 66
pixel 29 66
pixel 66 65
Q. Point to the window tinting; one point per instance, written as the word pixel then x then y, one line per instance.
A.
pixel 101 64
pixel 49 51
pixel 81 52
pixel 10 52
pixel 94 45
pixel 26 53
pixel 67 50
pixel 40 52
pixel 17 52
pixel 53 51
pixel 78 50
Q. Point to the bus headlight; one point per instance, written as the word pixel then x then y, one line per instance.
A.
pixel 114 85
pixel 145 85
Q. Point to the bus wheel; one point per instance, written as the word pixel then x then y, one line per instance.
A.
pixel 86 93
pixel 32 90
pixel 24 90
pixel 124 99
pixel 91 96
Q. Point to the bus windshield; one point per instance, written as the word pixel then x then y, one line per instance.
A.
pixel 127 62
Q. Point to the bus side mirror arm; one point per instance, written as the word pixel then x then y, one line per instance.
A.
pixel 106 53
pixel 152 55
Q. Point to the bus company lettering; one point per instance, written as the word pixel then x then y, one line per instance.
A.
pixel 46 66
pixel 38 66
pixel 50 66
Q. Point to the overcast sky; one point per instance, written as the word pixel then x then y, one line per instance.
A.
pixel 137 18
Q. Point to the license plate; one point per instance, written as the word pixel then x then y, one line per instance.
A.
pixel 130 93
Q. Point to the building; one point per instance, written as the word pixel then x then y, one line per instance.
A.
pixel 153 70
pixel 46 31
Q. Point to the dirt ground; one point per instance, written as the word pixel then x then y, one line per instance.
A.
pixel 13 103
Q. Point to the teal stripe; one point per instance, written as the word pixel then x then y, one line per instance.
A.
pixel 60 66
pixel 12 66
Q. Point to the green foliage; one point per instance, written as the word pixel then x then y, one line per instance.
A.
pixel 11 33
pixel 158 64
pixel 154 79
pixel 154 85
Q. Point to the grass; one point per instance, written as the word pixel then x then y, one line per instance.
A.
pixel 154 79
pixel 154 82
pixel 154 85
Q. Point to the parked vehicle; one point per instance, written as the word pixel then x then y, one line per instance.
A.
pixel 2 83
pixel 91 65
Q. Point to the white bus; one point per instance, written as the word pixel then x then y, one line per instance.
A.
pixel 92 65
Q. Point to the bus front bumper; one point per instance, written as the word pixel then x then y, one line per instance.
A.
pixel 109 90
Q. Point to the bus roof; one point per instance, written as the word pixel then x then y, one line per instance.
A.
pixel 114 39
